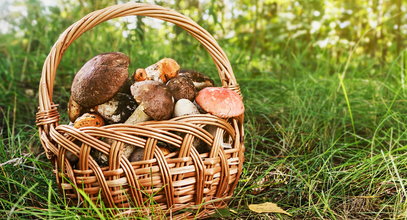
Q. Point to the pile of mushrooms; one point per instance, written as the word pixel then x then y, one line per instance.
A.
pixel 102 93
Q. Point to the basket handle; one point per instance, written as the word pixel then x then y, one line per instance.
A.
pixel 48 113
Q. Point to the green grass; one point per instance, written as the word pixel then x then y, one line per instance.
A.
pixel 331 147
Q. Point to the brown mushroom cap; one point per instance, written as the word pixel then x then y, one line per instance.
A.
pixel 100 79
pixel 156 98
pixel 140 89
pixel 200 80
pixel 221 102
pixel 182 88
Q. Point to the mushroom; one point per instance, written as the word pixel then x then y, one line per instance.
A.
pixel 182 88
pixel 155 99
pixel 89 120
pixel 100 79
pixel 221 102
pixel 74 110
pixel 200 80
pixel 199 108
pixel 103 159
pixel 161 71
pixel 117 109
pixel 184 107
pixel 203 147
pixel 138 116
pixel 212 130
pixel 140 75
pixel 139 90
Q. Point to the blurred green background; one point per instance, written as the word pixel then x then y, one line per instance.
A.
pixel 262 38
pixel 323 81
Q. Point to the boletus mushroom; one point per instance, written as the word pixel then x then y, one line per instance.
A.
pixel 154 99
pixel 182 88
pixel 100 79
pixel 161 71
pixel 199 80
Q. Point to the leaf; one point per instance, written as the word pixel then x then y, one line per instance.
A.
pixel 267 207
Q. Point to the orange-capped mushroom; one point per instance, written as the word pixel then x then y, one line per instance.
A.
pixel 140 75
pixel 162 71
pixel 169 69
pixel 89 120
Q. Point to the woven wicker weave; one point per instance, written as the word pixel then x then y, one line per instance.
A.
pixel 183 183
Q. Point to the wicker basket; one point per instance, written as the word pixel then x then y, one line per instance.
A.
pixel 184 183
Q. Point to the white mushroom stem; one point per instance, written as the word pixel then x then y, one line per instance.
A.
pixel 202 147
pixel 212 130
pixel 138 116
